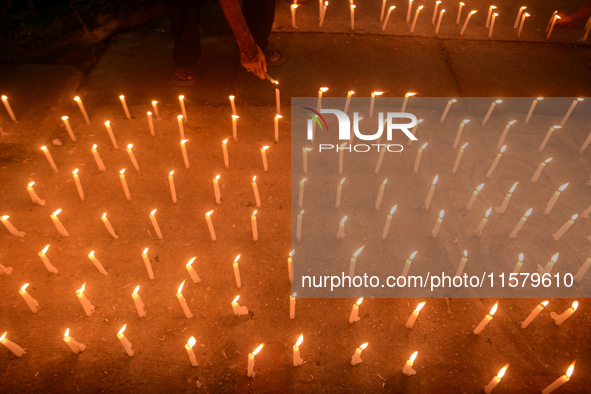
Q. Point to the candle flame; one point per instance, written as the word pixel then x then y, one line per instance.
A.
pixel 122 329
pixel 503 148
pixel 420 306
pixel 231 97
pixel 420 8
pixel 359 301
pixel 265 147
pixel 5 217
pixel 323 89
pixel 424 145
pixel 122 171
pixel 561 188
pixel 107 123
pixel 502 371
pixel 420 121
pixel 24 287
pixel 464 146
pixel 304 180
pixel 352 6
pixel 513 188
pixel 257 350
pixel 145 251
pixel 344 219
pixel 181 97
pixel 91 254
pixel 75 98
pixel 570 369
pixel 191 342
pixel 494 309
pixel 122 97
pixel 291 253
pixel 575 305
pixel 104 215
pixel 554 258
pixel 65 118
pixel 153 212
pixel 129 146
pixel 81 290
pixel 462 4
pixel 521 256
pixel 410 94
pixel 412 256
pixel 94 147
pixel 393 209
pixel 225 141
pixel 180 117
pixel 364 345
pixel 31 184
pixel 351 91
pixel 300 340
pixel 171 172
pixel 180 290
pixel 473 12
pixel 435 180
pixel 183 142
pixel 545 303
pixel 377 93
pixel 254 213
pixel 209 213
pixel 301 213
pixel 56 212
pixel 548 160
pixel 487 212
pixel 149 113
pixel 528 213
pixel 237 258
pixel 512 122
pixel 236 299
pixel 67 333
pixel 342 181
pixel 356 254
pixel 154 102
pixel 479 188
pixel 190 262
pixel 3 335
pixel 465 253
pixel 136 289
pixel 45 249
pixel 580 99
pixel 217 178
pixel 441 213
pixel 574 217
pixel 413 357
pixel 385 180
pixel 497 101
pixel 294 6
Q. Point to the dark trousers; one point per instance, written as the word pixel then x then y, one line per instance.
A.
pixel 185 16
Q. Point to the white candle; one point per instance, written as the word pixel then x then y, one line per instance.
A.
pixel 435 11
pixel 34 197
pixel 111 135
pixel 462 265
pixel 181 127
pixel 489 16
pixel 210 225
pixel 151 124
pixel 570 111
pixel 559 319
pixel 132 157
pixel 58 224
pixel 172 187
pixel 459 17
pixel 348 100
pixel 192 272
pixel 9 108
pixel 519 264
pixel 408 263
pixel 253 224
pixel 31 302
pixel 585 144
pixel 437 225
pixel 521 9
pixel 68 128
pixel 125 109
pixel 531 109
pixel 554 19
pixel 387 17
pixel 356 359
pixel 124 341
pixel 301 193
pixel 414 21
pixel 339 193
pixel 305 159
pixel 155 108
pixel 75 346
pixel 264 157
pixel 124 184
pixel 525 15
pixel 495 381
pixel 276 124
pixel 431 191
pixel 139 305
pixel 183 302
pixel 289 258
pixel 586 212
pixel 504 133
pixel 292 302
pixel 439 21
pixel 97 263
pixel 459 158
pixel 505 202
pixel 492 24
pixel 372 103
pixel 183 109
pixel 483 223
pixel 322 13
pixel 561 380
pixel 408 370
pixel 414 315
pixel 466 22
pixel 520 224
pixel 155 224
pixel 225 153
pixel 538 172
pixel 293 8
pixel 418 158
pixel 49 158
pixel 459 132
pixel 250 370
pixel 554 198
pixel 86 305
pixel 297 360
pixel 255 190
pixel 382 11
pixel 78 184
pixel 42 255
pixel 108 226
pixel 237 309
pixel 9 226
pixel 13 347
pixel 587 31
pixel 473 197
pixel 547 137
pixel 216 189
pixel 97 159
pixel 184 152
pixel 535 312
pixel 189 348
pixel 495 162
pixel 233 105
pixel 277 99
pixel 299 226
pixel 490 110
pixel 486 320
pixel 556 236
pixel 78 101
pixel 341 230
pixel 381 194
pixel 147 263
pixel 582 270
pixel 354 316
pixel 408 11
pixel 352 6
pixel 354 262
pixel 321 91
pixel 237 272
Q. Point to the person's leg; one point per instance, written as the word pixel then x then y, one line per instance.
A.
pixel 184 20
pixel 259 16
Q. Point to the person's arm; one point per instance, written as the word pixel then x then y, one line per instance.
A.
pixel 251 56
pixel 575 19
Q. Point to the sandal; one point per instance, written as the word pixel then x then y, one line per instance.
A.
pixel 184 74
pixel 273 57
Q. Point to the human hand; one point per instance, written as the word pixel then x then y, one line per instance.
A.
pixel 255 64
pixel 565 21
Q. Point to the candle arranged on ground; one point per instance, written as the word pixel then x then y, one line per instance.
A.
pixel 151 124
pixel 431 191
pixel 183 302
pixel 339 193
pixel 381 159
pixel 124 105
pixel 415 314
pixel 516 23
pixel 276 124
pixel 483 223
pixel 341 230
pixel 292 301
pixel 521 24
pixel 108 225
pixel 354 316
pixel 34 197
pixel 49 158
pixel 301 193
pixel 520 224
pixel 505 202
pixel 435 11
pixel 352 6
pixel 348 101
pixel 305 159
pixel 289 262
pixel 237 272
pixel 554 198
pixel 45 260
pixel 388 222
pixel 58 224
pixel 322 13
pixel 321 91
pixel 68 128
pixel 418 157
pixel 486 320
pixel 437 225
pixel 31 302
pixel 459 133
pixel 210 225
pixel 519 264
pixel 147 263
pixel 559 319
pixel 216 189
pixel 462 265
pixel 459 17
pixel 297 360
pixel 132 157
pixel 381 194
pixel 155 108
pixel 466 22
pixel 447 107
pixel 10 227
pixel 414 21
pixel 293 8
pixel 473 197
pixel 459 158
pixel 535 312
pixel 556 236
pixel 255 189
pixel 253 223
pixel 86 305
pixel 504 133
pixel 571 108
pixel 495 162
pixel 406 97
pixel 582 270
pixel 97 159
pixel 555 17
pixel 78 184
pixel 531 109
pixel 561 380
pixel 189 348
pixel 97 263
pixel 387 18
pixel 547 137
pixel 13 347
pixel 439 21
pixel 495 381
pixel 75 346
pixel 492 24
pixel 250 369
pixel 184 152
pixel 181 127
pixel 408 263
pixel 233 105
pixel 155 224
pixel 124 341
pixel 139 305
pixel 111 135
pixel 78 101
pixel 372 102
pixel 492 105
pixel 8 108
pixel 124 184
pixel 172 187
pixel 264 157
pixel 489 15
pixel 408 370
pixel 183 109
pixel 354 262
pixel 356 359
pixel 538 172
pixel 237 309
pixel 192 272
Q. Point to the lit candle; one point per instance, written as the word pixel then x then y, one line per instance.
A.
pixel 492 24
pixel 155 108
pixel 459 158
pixel 585 144
pixel 495 162
pixel 31 302
pixel 299 226
pixel 292 302
pixel 483 223
pixel 49 158
pixel 554 19
pixel 78 101
pixel 233 105
pixel 354 316
pixel 503 206
pixel 414 21
pixel 519 264
pixel 124 184
pixel 276 123
pixel 356 359
pixel 531 109
pixel 237 309
pixel 297 360
pixel 418 158
pixel 554 198
pixel 78 184
pixel 97 263
pixel 10 227
pixel 408 11
pixel 586 212
pixel 172 187
pixel 86 305
pixel 538 172
pixel 319 101
pixel 255 189
pixel 111 135
pixel 486 320
pixel 489 16
pixel 348 100
pixel 58 224
pixel 124 341
pixel 535 312
pixel 13 347
pixel 108 226
pixel 75 346
pixel 139 305
pixel 253 223
pixel 97 159
pixel 264 157
pixel 354 262
pixel 439 21
pixel 183 109
pixel 183 302
pixel 434 13
pixel 322 13
pixel 564 228
pixel 339 193
pixel 277 99
pixel 293 8
pixel 189 348
pixel 520 224
pixel 341 156
pixel 155 224
pixel 216 190
pixel 181 127
pixel 547 137
pixel 125 109
pixel 289 258
pixel 408 263
pixel 490 109
pixel 372 102
pixel 184 152
pixel 437 225
pixel 413 317
pixel 250 370
pixel 34 197
pixel 42 255
pixel 559 319
pixel 151 124
pixel 495 381
pixel 381 194
pixel 587 31
pixel 466 22
pixel 147 263
pixel 237 272
pixel 225 153
pixel 387 17
pixel 462 265
pixel 570 110
pixel 525 15
pixel 210 225
pixel 582 270
pixel 382 12
pixel 431 191
pixel 69 128
pixel 352 6
pixel 408 370
pixel 561 380
pixel 461 5
pixel 459 133
pixel 301 193
pixel 9 108
pixel 191 271
pixel 341 230
pixel 504 133
pixel 473 197
pixel 305 159
pixel 132 157
pixel 521 9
